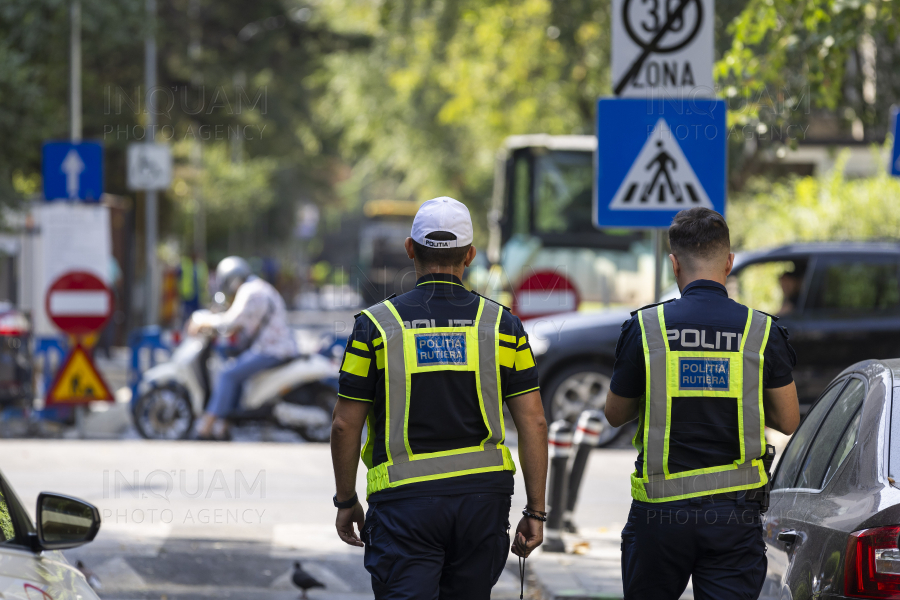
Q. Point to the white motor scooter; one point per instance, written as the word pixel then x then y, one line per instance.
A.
pixel 298 395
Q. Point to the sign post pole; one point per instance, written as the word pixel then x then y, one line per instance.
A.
pixel 658 263
pixel 79 422
pixel 894 167
pixel 151 197
pixel 75 72
pixel 75 123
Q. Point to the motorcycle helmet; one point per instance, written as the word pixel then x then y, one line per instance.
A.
pixel 231 273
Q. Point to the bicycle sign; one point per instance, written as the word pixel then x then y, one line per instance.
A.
pixel 662 48
pixel 149 166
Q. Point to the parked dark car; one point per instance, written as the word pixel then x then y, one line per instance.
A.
pixel 833 525
pixel 840 302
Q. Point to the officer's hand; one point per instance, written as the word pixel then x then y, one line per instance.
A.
pixel 194 328
pixel 529 535
pixel 346 517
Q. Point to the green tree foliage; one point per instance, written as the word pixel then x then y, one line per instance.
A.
pixel 353 100
pixel 813 51
pixel 210 53
pixel 423 113
pixel 234 193
pixel 825 208
pixel 34 75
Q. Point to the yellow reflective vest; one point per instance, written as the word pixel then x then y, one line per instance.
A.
pixel 480 343
pixel 731 376
pixel 186 287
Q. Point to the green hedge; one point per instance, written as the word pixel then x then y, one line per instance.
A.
pixel 829 207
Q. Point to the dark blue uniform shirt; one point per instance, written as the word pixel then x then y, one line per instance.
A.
pixel 444 412
pixel 703 431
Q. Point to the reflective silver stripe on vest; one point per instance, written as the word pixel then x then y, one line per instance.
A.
pixel 395 372
pixel 488 347
pixel 402 467
pixel 746 473
pixel 753 349
pixel 451 463
pixel 656 427
pixel 660 487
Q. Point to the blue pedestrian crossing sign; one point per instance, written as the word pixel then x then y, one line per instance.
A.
pixel 72 171
pixel 657 157
pixel 895 151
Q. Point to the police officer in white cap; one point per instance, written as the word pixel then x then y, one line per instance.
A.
pixel 429 372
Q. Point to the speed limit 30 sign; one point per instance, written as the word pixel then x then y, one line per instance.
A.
pixel 662 48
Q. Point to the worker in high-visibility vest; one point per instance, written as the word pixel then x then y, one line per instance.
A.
pixel 193 279
pixel 704 376
pixel 430 372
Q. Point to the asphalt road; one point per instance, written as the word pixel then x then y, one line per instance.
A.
pixel 191 520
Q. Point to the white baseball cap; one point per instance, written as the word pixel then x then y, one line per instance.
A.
pixel 442 214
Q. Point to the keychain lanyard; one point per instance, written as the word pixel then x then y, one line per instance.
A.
pixel 521 578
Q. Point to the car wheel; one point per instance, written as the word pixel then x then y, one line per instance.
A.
pixel 164 413
pixel 576 389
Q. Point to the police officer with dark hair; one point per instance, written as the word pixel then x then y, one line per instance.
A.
pixel 428 372
pixel 703 375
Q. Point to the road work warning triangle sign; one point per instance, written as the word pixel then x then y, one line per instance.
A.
pixel 78 381
pixel 661 178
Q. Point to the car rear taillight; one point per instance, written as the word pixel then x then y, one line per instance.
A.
pixel 872 569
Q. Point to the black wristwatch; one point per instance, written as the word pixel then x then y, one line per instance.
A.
pixel 346 503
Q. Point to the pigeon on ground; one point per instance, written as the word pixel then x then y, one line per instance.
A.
pixel 91 577
pixel 304 580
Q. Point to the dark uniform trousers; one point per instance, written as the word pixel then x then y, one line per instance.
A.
pixel 437 547
pixel 720 544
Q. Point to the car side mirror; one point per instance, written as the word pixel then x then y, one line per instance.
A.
pixel 65 522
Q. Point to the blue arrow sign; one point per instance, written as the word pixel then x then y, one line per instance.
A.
pixel 73 171
pixel 657 157
pixel 895 151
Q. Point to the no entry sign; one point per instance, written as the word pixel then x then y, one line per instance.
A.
pixel 545 293
pixel 79 303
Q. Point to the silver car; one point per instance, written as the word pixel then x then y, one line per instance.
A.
pixel 31 566
pixel 833 526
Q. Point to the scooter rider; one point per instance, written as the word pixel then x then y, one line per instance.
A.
pixel 259 312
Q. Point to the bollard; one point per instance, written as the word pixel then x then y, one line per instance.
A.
pixel 587 434
pixel 560 440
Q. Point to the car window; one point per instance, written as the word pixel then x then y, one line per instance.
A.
pixel 843 448
pixel 789 464
pixel 773 287
pixel 7 529
pixel 830 433
pixel 856 286
pixel 521 211
pixel 563 192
